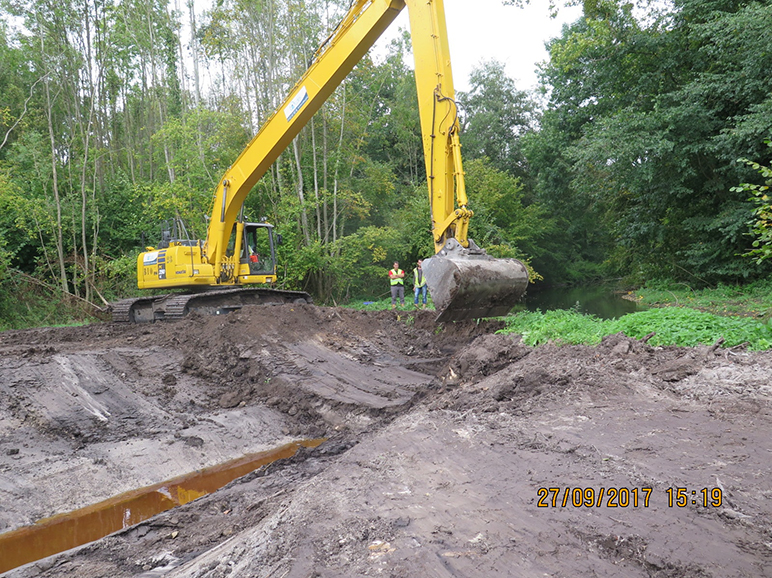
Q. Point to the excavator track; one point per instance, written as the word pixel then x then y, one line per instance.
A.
pixel 176 306
pixel 122 310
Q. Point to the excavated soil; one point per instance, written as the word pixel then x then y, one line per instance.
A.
pixel 443 445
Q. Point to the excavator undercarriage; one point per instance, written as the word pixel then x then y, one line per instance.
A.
pixel 215 302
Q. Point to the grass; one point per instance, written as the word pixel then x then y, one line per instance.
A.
pixel 24 305
pixel 750 300
pixel 672 326
pixel 559 326
pixel 384 304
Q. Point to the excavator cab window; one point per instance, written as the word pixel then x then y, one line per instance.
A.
pixel 257 248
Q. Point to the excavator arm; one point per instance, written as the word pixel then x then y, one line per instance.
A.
pixel 362 26
pixel 354 36
pixel 439 123
pixel 465 282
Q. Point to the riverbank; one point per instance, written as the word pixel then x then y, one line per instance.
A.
pixel 749 300
pixel 670 314
pixel 664 326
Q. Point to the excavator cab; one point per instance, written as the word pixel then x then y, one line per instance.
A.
pixel 259 248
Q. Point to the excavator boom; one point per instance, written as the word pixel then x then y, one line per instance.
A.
pixel 464 281
pixel 361 27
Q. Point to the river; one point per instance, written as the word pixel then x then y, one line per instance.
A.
pixel 599 300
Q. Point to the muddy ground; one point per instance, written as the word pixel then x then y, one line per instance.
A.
pixel 440 439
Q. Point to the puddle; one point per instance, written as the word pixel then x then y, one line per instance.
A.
pixel 64 531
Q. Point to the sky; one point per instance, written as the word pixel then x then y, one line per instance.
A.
pixel 478 30
pixel 481 30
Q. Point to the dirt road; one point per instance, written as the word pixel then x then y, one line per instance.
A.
pixel 452 451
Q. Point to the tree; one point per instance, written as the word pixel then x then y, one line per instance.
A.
pixel 761 226
pixel 495 117
pixel 646 118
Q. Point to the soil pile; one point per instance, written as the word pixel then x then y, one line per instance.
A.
pixel 452 451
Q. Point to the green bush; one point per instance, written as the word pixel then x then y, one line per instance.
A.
pixel 25 304
pixel 689 327
pixel 559 326
pixel 672 326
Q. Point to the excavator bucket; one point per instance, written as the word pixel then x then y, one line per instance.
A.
pixel 467 283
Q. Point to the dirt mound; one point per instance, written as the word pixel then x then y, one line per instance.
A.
pixel 453 451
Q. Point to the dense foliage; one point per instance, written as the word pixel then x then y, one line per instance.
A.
pixel 116 115
pixel 761 226
pixel 119 115
pixel 648 111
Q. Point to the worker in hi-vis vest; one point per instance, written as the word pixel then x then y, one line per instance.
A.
pixel 419 283
pixel 397 280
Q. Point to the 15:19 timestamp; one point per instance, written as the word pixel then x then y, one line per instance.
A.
pixel 682 497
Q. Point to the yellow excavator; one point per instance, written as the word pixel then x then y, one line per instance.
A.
pixel 222 270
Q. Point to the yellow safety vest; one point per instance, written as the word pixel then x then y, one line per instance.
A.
pixel 397 280
pixel 416 283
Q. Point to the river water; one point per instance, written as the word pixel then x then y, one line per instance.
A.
pixel 599 300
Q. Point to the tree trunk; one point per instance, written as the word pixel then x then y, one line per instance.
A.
pixel 316 181
pixel 194 45
pixel 55 179
pixel 337 167
pixel 84 198
pixel 325 161
pixel 301 194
